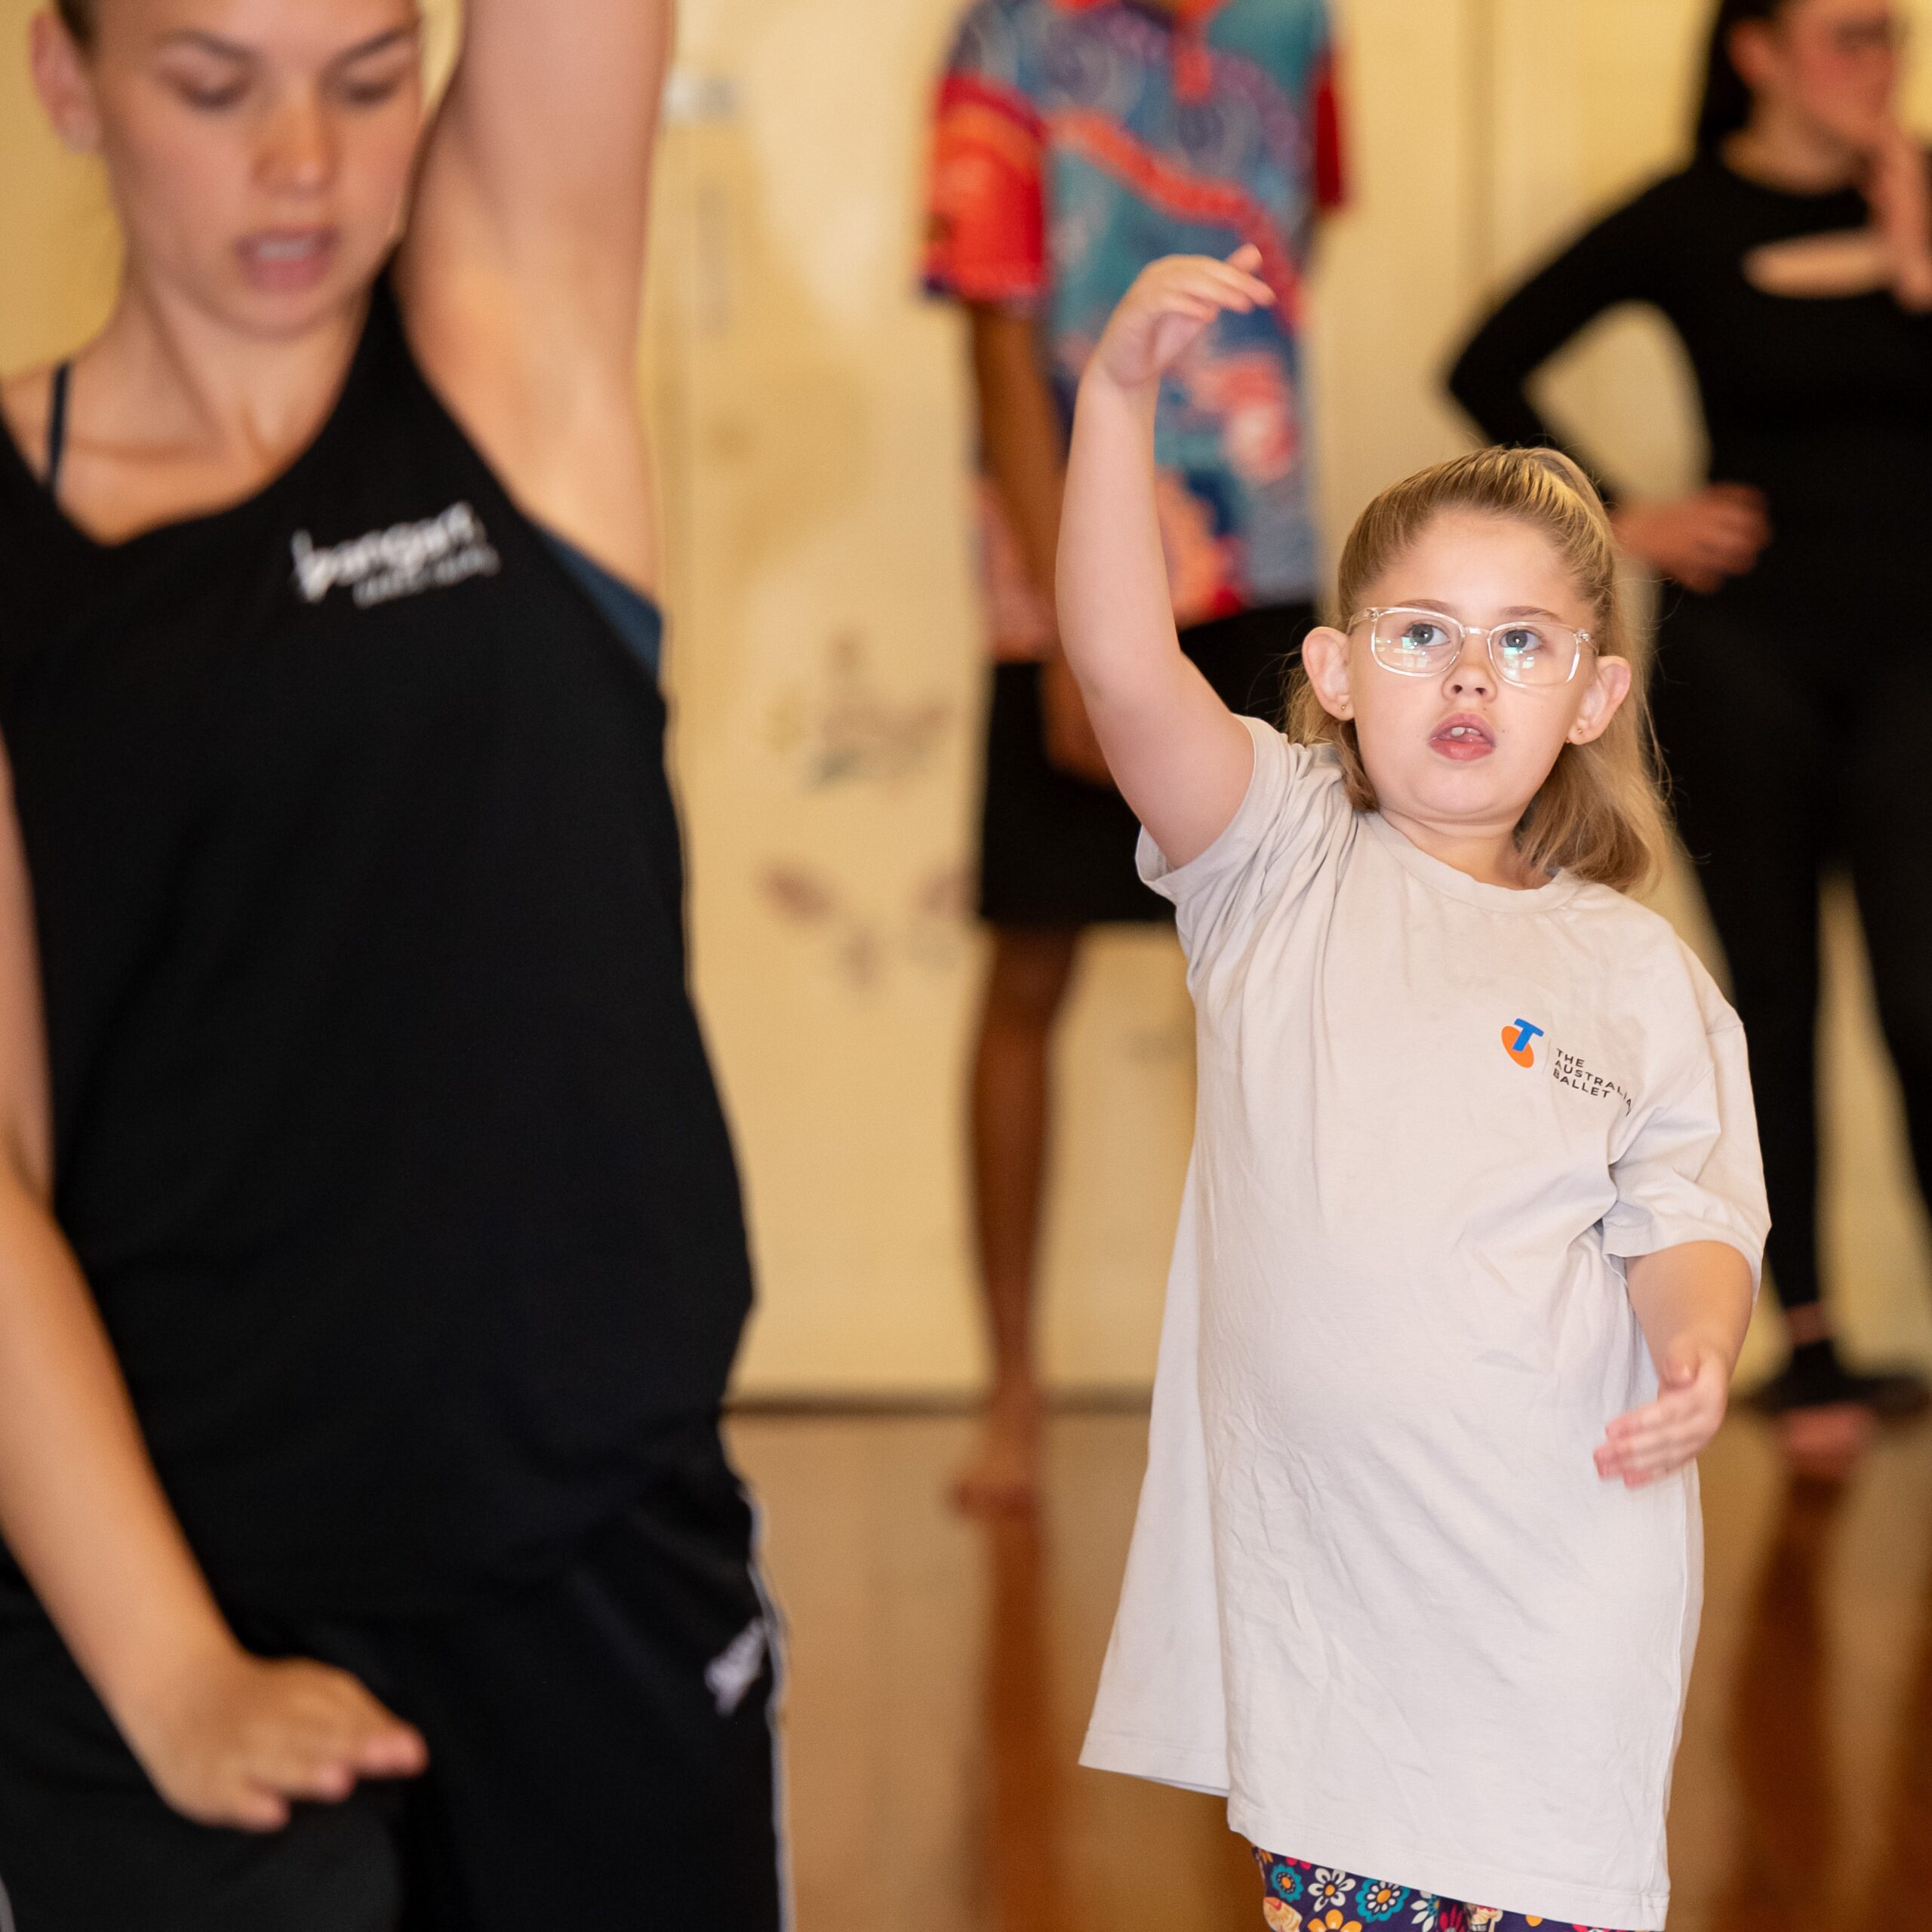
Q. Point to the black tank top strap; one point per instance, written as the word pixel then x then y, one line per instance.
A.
pixel 57 424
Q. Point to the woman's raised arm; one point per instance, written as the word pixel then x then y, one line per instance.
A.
pixel 522 273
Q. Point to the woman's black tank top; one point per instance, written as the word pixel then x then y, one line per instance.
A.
pixel 383 1129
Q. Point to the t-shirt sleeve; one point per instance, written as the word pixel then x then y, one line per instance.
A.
pixel 1280 816
pixel 1329 162
pixel 1692 1171
pixel 986 221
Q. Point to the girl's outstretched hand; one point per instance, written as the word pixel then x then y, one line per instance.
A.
pixel 1650 1443
pixel 1172 300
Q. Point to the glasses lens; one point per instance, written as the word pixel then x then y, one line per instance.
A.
pixel 1535 654
pixel 1415 642
pixel 1854 39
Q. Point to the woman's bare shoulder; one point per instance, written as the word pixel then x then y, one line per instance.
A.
pixel 23 400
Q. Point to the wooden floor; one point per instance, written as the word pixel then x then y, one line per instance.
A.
pixel 941 1671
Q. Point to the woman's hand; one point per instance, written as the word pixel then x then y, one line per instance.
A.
pixel 237 1738
pixel 1900 197
pixel 1700 540
pixel 1171 302
pixel 1651 1443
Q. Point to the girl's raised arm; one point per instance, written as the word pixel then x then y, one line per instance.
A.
pixel 1180 758
pixel 522 273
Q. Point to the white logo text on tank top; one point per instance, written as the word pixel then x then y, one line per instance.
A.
pixel 399 562
pixel 730 1674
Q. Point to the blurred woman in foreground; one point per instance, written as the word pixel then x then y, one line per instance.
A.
pixel 371 1255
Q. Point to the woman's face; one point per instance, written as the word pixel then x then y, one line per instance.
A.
pixel 1833 63
pixel 259 151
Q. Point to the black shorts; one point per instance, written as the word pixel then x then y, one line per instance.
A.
pixel 601 1752
pixel 1055 850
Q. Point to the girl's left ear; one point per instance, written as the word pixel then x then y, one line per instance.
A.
pixel 1609 686
pixel 1324 656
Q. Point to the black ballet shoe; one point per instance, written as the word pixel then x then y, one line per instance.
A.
pixel 1892 1394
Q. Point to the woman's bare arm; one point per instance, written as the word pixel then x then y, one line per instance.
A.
pixel 1182 759
pixel 1019 435
pixel 1020 445
pixel 127 1594
pixel 521 274
pixel 227 1738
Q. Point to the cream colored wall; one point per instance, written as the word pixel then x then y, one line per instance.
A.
pixel 811 421
pixel 828 672
pixel 821 454
pixel 58 247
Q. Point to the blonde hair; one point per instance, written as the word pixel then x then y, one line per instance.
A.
pixel 1600 813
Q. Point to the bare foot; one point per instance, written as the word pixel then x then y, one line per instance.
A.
pixel 1003 1478
pixel 1826 1439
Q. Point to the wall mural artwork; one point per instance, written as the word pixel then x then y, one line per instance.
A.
pixel 924 928
pixel 844 728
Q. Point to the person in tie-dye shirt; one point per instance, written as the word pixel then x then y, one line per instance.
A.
pixel 1075 141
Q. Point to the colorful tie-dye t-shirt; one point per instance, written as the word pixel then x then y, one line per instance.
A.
pixel 1078 140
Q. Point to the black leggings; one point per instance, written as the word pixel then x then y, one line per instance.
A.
pixel 1795 748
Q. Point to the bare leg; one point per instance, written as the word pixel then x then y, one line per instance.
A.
pixel 1025 990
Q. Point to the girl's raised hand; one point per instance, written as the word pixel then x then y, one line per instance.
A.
pixel 1651 1443
pixel 1172 300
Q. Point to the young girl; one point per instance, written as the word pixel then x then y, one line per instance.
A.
pixel 1471 1235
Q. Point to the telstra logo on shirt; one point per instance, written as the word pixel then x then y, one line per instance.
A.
pixel 1516 1038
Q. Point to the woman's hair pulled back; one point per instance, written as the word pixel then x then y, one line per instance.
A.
pixel 77 17
pixel 1724 106
pixel 1598 813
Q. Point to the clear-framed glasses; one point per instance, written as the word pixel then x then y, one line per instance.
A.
pixel 1414 642
pixel 1885 34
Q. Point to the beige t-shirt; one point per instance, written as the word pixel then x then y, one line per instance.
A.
pixel 1378 1594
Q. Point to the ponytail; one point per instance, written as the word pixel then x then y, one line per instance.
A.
pixel 1725 107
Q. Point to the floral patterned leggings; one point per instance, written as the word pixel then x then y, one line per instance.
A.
pixel 1303 1897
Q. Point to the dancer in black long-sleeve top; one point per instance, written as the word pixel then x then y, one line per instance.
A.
pixel 1794 257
